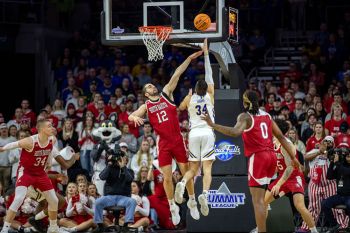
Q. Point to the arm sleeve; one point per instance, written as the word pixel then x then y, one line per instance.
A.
pixel 70 208
pixel 144 210
pixel 208 71
pixel 11 145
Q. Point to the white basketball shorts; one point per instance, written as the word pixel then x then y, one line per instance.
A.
pixel 201 144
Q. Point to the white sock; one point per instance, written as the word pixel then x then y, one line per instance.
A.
pixel 192 197
pixel 40 215
pixel 205 192
pixel 184 181
pixel 313 230
pixel 7 225
pixel 53 222
pixel 171 202
pixel 73 229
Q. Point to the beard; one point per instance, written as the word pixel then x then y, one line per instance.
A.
pixel 153 94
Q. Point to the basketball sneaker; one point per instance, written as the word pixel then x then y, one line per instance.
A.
pixel 53 229
pixel 192 205
pixel 175 216
pixel 203 201
pixel 179 192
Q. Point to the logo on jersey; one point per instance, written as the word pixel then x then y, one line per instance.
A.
pixel 223 198
pixel 225 150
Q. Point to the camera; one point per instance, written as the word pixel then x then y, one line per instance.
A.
pixel 117 154
pixel 341 152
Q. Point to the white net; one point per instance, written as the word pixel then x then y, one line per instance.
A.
pixel 154 38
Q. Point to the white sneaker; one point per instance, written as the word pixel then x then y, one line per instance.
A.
pixel 175 216
pixel 255 230
pixel 5 230
pixel 202 199
pixel 192 205
pixel 62 230
pixel 53 229
pixel 179 192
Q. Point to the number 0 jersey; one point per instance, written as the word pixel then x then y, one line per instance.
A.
pixel 198 106
pixel 34 162
pixel 162 115
pixel 259 136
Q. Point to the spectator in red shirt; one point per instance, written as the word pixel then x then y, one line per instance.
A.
pixel 28 113
pixel 338 98
pixel 269 101
pixel 289 101
pixel 293 73
pixel 92 107
pixel 343 136
pixel 285 86
pixel 315 140
pixel 332 126
pixel 112 107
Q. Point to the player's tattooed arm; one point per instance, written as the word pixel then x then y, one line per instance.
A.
pixel 235 131
pixel 170 87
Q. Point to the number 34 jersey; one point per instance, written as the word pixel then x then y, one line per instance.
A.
pixel 259 136
pixel 200 105
pixel 162 115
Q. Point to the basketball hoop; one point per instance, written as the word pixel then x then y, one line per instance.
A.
pixel 154 37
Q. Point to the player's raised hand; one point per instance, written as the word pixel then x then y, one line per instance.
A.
pixel 190 92
pixel 205 46
pixel 138 121
pixel 195 55
pixel 207 118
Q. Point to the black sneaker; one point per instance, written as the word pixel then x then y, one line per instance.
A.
pixel 37 224
pixel 99 229
pixel 126 229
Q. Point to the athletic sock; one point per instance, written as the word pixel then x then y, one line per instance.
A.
pixel 205 192
pixel 7 225
pixel 40 215
pixel 171 202
pixel 53 222
pixel 184 181
pixel 313 230
pixel 192 197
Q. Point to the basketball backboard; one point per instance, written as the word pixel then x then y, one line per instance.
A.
pixel 121 19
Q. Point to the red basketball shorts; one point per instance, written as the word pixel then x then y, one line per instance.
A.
pixel 293 185
pixel 261 168
pixel 43 183
pixel 168 149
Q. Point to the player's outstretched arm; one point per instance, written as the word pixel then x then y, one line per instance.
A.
pixel 137 116
pixel 184 104
pixel 25 143
pixel 235 131
pixel 208 70
pixel 65 164
pixel 170 87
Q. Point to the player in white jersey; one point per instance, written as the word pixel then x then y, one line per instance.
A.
pixel 201 137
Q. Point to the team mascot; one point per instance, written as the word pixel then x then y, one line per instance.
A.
pixel 107 136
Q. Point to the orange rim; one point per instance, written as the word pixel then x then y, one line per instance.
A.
pixel 157 29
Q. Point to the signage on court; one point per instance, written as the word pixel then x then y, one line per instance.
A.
pixel 223 198
pixel 225 150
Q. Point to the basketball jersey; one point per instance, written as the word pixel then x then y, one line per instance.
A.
pixel 34 162
pixel 281 153
pixel 198 106
pixel 259 136
pixel 162 115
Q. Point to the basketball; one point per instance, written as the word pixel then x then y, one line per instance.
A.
pixel 202 22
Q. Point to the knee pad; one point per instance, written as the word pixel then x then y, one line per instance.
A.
pixel 20 195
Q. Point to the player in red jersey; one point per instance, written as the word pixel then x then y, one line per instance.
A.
pixel 289 180
pixel 31 171
pixel 162 114
pixel 257 129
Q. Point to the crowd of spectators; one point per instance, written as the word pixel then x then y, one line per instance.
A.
pixel 95 81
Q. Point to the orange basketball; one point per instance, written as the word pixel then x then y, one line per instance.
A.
pixel 202 22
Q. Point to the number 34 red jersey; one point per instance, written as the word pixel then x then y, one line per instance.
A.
pixel 162 115
pixel 259 136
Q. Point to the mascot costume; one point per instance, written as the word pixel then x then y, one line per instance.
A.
pixel 107 136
